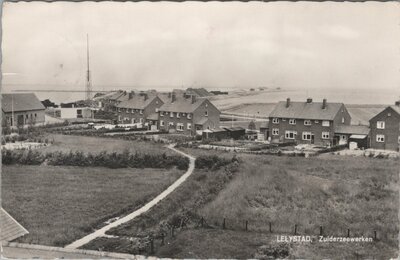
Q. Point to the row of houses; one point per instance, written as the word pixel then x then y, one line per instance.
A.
pixel 325 123
pixel 188 114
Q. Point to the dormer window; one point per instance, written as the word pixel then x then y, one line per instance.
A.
pixel 275 120
pixel 206 113
pixel 292 121
pixel 189 116
pixel 307 122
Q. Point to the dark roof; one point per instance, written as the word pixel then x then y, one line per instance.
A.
pixel 21 102
pixel 137 102
pixel 181 104
pixel 10 228
pixel 393 107
pixel 200 92
pixel 352 129
pixel 238 128
pixel 303 110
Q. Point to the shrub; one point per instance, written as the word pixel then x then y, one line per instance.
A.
pixel 212 162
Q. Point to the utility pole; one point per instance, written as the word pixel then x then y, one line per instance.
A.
pixel 88 74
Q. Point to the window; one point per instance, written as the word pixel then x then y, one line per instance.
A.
pixel 206 104
pixel 35 115
pixel 380 138
pixel 119 118
pixel 389 114
pixel 189 116
pixel 307 122
pixel 26 116
pixel 283 119
pixel 306 136
pixel 316 121
pixel 206 113
pixel 171 114
pixel 161 113
pixel 189 126
pixel 171 123
pixel 275 131
pixel 132 120
pixel 157 102
pixel 290 134
pixel 325 135
pixel 119 109
pixel 162 123
pixel 141 120
pixel 179 127
pixel 183 114
pixel 275 120
pixel 141 111
pixel 178 115
pixel 325 123
pixel 292 121
pixel 342 120
pixel 380 124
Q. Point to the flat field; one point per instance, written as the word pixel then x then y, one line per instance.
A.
pixel 335 192
pixel 58 205
pixel 67 143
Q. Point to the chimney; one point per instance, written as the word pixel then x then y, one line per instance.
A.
pixel 287 102
pixel 397 103
pixel 324 103
pixel 309 100
pixel 131 94
pixel 173 97
pixel 145 96
pixel 193 99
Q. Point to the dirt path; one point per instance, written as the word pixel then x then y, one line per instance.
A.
pixel 101 232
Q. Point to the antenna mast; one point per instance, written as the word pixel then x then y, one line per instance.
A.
pixel 88 74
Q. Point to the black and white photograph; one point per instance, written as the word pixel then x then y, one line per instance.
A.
pixel 200 130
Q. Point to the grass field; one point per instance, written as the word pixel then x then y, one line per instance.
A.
pixel 336 192
pixel 66 143
pixel 60 204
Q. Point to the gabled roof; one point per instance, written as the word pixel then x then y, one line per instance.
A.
pixel 352 129
pixel 393 107
pixel 137 102
pixel 303 110
pixel 10 228
pixel 21 102
pixel 182 105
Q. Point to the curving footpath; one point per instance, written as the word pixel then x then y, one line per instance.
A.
pixel 101 232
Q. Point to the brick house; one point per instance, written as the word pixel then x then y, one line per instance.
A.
pixel 110 101
pixel 188 115
pixel 385 129
pixel 307 122
pixel 138 108
pixel 21 109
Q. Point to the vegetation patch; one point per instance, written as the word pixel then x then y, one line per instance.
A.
pixel 58 205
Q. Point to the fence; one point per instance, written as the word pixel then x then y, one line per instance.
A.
pixel 159 240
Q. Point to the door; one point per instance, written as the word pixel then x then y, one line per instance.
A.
pixel 312 138
pixel 20 120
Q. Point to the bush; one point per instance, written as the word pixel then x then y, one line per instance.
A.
pixel 102 159
pixel 212 162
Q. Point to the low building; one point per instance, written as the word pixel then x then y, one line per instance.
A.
pixel 355 136
pixel 188 115
pixel 139 108
pixel 307 122
pixel 76 112
pixel 109 102
pixel 385 128
pixel 22 109
pixel 236 132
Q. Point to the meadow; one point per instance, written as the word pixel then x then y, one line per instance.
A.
pixel 59 204
pixel 335 192
pixel 94 145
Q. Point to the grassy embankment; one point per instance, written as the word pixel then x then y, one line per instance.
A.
pixel 338 193
pixel 60 204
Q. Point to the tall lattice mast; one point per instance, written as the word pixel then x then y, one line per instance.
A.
pixel 88 74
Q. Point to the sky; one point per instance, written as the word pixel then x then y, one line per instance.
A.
pixel 222 45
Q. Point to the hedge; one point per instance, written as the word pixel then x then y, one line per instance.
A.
pixel 102 159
